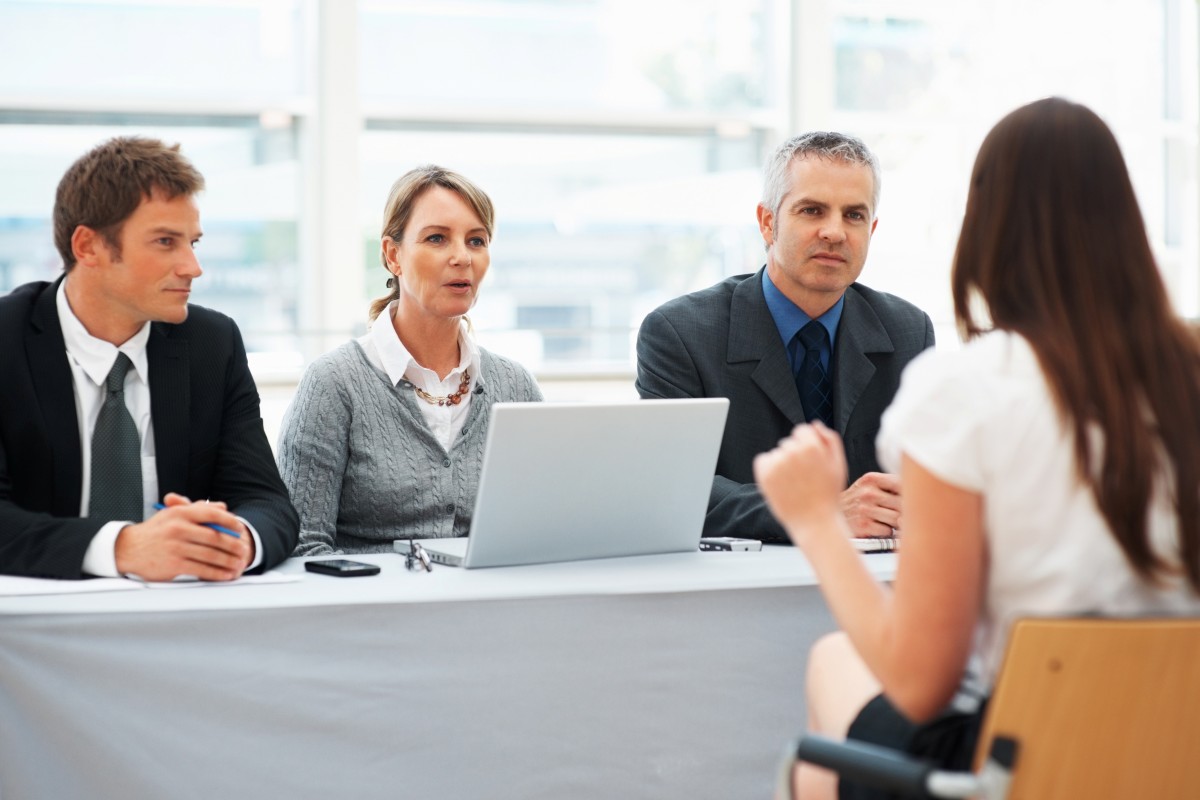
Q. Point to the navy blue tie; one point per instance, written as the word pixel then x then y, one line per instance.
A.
pixel 816 393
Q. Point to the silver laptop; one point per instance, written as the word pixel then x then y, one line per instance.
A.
pixel 573 481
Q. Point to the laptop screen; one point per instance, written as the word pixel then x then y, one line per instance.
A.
pixel 572 481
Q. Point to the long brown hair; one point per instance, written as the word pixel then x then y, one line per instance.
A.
pixel 1054 244
pixel 403 197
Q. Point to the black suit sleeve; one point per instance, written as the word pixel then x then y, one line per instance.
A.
pixel 36 543
pixel 667 369
pixel 245 476
pixel 41 532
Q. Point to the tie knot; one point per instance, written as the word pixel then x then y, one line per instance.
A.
pixel 116 376
pixel 813 336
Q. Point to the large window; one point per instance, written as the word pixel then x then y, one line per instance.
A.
pixel 572 57
pixel 622 141
pixel 249 213
pixel 924 82
pixel 174 53
pixel 220 78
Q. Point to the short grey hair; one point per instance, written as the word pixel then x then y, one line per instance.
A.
pixel 821 144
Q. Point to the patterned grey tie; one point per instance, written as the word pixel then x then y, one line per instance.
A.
pixel 116 454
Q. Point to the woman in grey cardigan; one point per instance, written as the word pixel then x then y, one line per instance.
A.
pixel 384 438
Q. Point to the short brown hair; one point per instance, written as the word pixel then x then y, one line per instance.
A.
pixel 106 185
pixel 403 197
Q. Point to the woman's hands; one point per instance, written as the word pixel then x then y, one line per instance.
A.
pixel 803 478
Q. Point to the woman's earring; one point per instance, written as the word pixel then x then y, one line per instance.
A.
pixel 391 282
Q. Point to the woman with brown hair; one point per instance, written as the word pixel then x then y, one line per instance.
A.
pixel 1051 467
pixel 384 437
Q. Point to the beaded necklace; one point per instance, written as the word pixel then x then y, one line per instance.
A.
pixel 446 399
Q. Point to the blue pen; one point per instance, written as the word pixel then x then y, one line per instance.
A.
pixel 213 525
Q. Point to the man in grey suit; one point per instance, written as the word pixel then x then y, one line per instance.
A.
pixel 797 341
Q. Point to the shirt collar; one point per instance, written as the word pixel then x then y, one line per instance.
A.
pixel 396 358
pixel 96 356
pixel 789 319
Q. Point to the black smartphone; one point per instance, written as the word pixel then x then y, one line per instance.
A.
pixel 341 567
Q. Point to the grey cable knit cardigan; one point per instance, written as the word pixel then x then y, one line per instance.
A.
pixel 363 468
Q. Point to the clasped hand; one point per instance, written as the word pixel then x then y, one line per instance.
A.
pixel 802 480
pixel 176 541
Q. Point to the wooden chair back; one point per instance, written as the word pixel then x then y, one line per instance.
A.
pixel 1100 708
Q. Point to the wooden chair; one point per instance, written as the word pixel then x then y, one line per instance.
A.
pixel 1082 708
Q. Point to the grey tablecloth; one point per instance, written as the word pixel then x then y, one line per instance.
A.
pixel 348 688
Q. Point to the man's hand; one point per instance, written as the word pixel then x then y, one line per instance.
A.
pixel 176 541
pixel 872 505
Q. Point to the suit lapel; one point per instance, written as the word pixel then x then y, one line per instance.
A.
pixel 754 337
pixel 170 398
pixel 860 334
pixel 47 357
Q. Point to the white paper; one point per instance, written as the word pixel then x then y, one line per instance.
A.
pixel 192 582
pixel 13 586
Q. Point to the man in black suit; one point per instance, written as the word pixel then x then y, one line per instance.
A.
pixel 119 395
pixel 748 338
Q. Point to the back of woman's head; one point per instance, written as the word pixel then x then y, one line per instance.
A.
pixel 1053 247
pixel 1052 225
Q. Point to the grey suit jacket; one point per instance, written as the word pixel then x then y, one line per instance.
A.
pixel 722 342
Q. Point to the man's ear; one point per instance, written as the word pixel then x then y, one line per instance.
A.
pixel 766 224
pixel 874 223
pixel 87 245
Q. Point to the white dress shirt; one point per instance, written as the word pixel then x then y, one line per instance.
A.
pixel 385 351
pixel 91 360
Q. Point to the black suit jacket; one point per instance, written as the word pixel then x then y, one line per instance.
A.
pixel 723 342
pixel 208 434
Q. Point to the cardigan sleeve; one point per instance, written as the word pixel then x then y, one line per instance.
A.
pixel 313 448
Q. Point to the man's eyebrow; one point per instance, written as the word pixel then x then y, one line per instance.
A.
pixel 163 230
pixel 809 202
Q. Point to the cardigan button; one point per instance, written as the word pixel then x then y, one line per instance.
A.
pixel 446 463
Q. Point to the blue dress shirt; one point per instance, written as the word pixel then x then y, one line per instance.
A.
pixel 789 319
